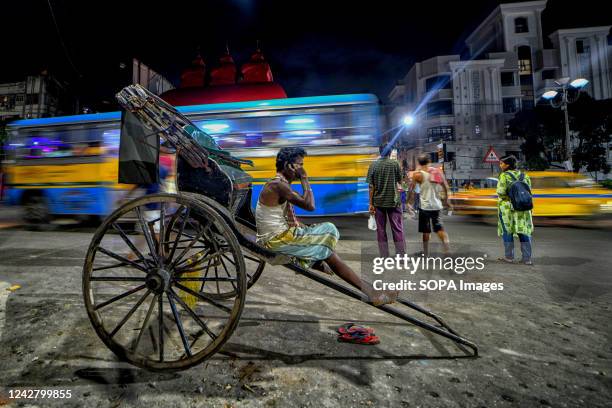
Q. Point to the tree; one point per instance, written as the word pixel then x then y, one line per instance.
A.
pixel 541 130
pixel 592 121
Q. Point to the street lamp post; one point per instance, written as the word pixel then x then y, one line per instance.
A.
pixel 559 98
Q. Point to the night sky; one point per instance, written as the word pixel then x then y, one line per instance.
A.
pixel 314 47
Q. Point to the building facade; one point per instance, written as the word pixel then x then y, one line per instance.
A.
pixel 35 97
pixel 466 104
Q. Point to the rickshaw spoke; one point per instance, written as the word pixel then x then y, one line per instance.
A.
pixel 162 229
pixel 121 259
pixel 179 233
pixel 160 302
pixel 253 259
pixel 128 241
pixel 118 297
pixel 179 325
pixel 193 315
pixel 203 297
pixel 148 237
pixel 116 279
pixel 145 324
pixel 153 339
pixel 198 261
pixel 129 314
pixel 221 279
pixel 227 258
pixel 205 275
pixel 217 281
pixel 249 276
pixel 178 258
pixel 228 274
pixel 117 265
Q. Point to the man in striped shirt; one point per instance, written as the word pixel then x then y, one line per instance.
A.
pixel 383 176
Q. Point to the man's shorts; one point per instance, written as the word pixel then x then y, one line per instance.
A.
pixel 427 218
pixel 307 244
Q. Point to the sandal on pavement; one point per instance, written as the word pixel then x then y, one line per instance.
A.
pixel 506 260
pixel 356 338
pixel 351 328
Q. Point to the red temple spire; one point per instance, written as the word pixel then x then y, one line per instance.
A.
pixel 195 74
pixel 257 69
pixel 225 73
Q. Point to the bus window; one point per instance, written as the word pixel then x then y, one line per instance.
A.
pixel 64 141
pixel 331 127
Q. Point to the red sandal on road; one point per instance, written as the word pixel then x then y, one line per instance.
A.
pixel 359 338
pixel 351 328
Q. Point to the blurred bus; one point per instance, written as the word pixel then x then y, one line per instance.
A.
pixel 67 166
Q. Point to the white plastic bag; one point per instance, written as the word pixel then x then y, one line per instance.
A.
pixel 372 223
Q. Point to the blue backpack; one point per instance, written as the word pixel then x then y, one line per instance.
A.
pixel 520 193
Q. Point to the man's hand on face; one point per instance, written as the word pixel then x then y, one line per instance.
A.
pixel 299 171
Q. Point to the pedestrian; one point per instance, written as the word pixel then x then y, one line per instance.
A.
pixel 513 223
pixel 431 204
pixel 383 177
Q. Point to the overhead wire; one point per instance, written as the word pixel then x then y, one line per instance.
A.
pixel 59 34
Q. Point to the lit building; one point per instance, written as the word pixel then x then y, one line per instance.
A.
pixel 35 97
pixel 466 104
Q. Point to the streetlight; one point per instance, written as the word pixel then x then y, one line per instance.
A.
pixel 559 99
pixel 408 120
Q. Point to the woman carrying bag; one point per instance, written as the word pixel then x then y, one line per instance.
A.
pixel 514 210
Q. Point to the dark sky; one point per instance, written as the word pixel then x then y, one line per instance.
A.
pixel 314 47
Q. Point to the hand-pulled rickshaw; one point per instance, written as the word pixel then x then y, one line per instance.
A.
pixel 175 303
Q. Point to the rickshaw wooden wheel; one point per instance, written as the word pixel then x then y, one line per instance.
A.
pixel 144 297
pixel 254 266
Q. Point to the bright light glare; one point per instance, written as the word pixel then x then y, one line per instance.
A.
pixel 549 94
pixel 305 133
pixel 408 120
pixel 579 83
pixel 215 127
pixel 299 121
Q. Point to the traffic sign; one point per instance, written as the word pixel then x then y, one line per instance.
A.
pixel 491 156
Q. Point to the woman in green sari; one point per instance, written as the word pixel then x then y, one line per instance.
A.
pixel 511 223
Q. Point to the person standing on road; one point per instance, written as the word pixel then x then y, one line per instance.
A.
pixel 430 204
pixel 383 177
pixel 510 222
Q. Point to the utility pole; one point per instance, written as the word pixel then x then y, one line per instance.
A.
pixel 559 98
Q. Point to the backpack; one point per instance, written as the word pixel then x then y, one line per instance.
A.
pixel 520 193
pixel 436 175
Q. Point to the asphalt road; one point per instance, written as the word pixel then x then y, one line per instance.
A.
pixel 545 340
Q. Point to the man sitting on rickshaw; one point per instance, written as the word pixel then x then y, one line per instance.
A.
pixel 279 230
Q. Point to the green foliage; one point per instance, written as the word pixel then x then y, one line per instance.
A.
pixel 540 128
pixel 607 183
pixel 592 120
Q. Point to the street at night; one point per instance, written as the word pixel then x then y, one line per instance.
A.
pixel 544 341
pixel 247 203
